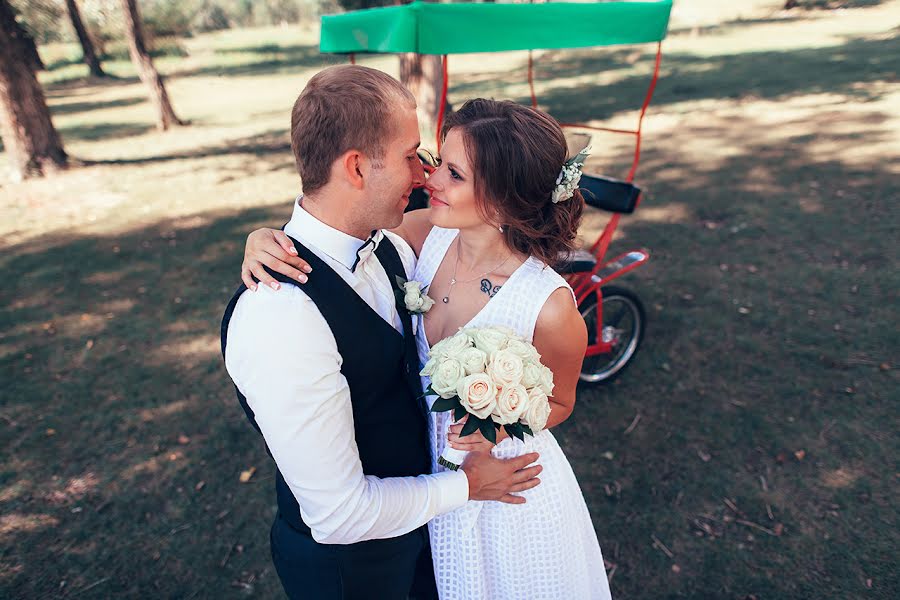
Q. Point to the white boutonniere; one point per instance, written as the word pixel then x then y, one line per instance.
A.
pixel 415 299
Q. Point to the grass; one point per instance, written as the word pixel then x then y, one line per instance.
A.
pixel 755 435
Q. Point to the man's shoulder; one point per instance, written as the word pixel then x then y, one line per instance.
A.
pixel 267 323
pixel 289 303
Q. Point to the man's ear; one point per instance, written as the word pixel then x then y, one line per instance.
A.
pixel 353 167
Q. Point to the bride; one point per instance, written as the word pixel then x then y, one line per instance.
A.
pixel 500 212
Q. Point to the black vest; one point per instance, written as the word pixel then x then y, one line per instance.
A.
pixel 381 368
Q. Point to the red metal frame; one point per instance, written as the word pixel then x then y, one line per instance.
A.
pixel 584 284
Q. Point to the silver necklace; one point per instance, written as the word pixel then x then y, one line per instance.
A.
pixel 453 281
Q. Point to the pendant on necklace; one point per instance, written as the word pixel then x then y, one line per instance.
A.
pixel 452 281
pixel 446 299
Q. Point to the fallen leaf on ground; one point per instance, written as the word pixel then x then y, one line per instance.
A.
pixel 246 475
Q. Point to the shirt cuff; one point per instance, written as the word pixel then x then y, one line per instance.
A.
pixel 453 488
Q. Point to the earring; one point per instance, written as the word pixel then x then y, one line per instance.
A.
pixel 500 228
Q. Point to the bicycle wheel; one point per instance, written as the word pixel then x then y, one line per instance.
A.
pixel 624 321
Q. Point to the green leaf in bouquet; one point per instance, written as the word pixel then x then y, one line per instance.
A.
pixel 515 430
pixel 429 391
pixel 471 426
pixel 488 431
pixel 459 412
pixel 526 429
pixel 400 281
pixel 445 404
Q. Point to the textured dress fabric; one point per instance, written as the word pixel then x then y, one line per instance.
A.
pixel 545 549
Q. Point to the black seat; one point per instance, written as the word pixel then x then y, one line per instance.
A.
pixel 609 194
pixel 578 261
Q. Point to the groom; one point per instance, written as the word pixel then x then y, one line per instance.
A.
pixel 328 371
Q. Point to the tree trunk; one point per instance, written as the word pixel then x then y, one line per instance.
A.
pixel 25 39
pixel 87 46
pixel 423 76
pixel 31 140
pixel 144 64
pixel 31 51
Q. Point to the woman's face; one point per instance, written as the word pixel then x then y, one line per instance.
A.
pixel 454 204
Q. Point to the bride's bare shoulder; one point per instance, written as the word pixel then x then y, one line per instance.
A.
pixel 560 325
pixel 415 228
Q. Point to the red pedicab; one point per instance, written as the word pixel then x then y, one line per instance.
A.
pixel 615 316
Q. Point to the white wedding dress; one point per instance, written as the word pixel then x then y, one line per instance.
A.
pixel 545 549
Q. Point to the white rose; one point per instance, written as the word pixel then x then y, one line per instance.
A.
pixel 523 350
pixel 489 340
pixel 477 394
pixel 546 380
pixel 506 368
pixel 413 295
pixel 531 375
pixel 414 299
pixel 428 369
pixel 446 377
pixel 473 360
pixel 452 345
pixel 538 410
pixel 511 403
pixel 427 303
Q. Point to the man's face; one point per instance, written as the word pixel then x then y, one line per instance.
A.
pixel 397 173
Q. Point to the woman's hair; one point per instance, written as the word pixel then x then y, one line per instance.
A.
pixel 517 154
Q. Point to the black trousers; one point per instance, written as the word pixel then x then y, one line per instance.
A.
pixel 389 569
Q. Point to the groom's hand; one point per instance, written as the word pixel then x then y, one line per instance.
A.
pixel 498 479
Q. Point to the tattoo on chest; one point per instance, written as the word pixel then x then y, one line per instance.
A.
pixel 489 288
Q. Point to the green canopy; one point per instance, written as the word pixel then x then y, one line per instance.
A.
pixel 432 28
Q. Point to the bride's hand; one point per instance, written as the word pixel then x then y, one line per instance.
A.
pixel 474 442
pixel 271 248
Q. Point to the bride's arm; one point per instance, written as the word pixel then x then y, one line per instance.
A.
pixel 272 248
pixel 560 337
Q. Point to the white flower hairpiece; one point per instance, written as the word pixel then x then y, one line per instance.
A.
pixel 569 176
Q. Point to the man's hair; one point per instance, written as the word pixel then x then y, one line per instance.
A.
pixel 343 108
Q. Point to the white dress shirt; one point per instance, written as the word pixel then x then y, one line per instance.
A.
pixel 283 357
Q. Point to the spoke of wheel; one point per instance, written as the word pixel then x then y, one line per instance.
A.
pixel 615 320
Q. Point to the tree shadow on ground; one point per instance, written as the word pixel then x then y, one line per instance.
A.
pixel 731 25
pixel 81 85
pixel 686 77
pixel 261 145
pixel 80 107
pixel 103 131
pixel 811 5
pixel 278 59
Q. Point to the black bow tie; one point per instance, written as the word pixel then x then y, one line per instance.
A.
pixel 366 250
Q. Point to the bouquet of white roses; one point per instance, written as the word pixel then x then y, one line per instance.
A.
pixel 496 378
